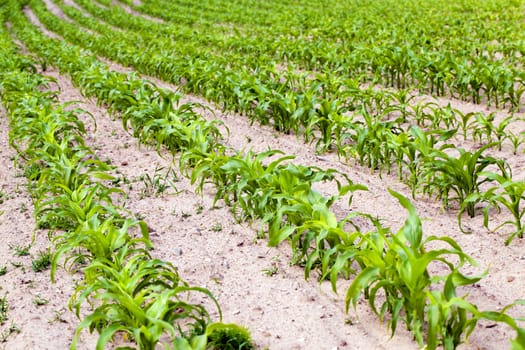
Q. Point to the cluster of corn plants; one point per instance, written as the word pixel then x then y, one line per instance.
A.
pixel 317 108
pixel 280 195
pixel 425 44
pixel 131 292
pixel 151 115
pixel 396 267
pixel 285 98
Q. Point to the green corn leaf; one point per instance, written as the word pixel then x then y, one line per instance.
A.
pixel 275 238
pixel 107 335
pixel 412 229
pixel 362 281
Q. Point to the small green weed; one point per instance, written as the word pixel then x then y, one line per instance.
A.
pixel 39 301
pixel 57 317
pixel 17 264
pixel 158 183
pixel 23 208
pixel 13 328
pixel 199 209
pixel 4 306
pixel 271 271
pixel 183 214
pixel 21 250
pixel 42 262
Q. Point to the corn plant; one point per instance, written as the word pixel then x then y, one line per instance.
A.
pixel 371 142
pixel 228 337
pixel 332 124
pixel 397 264
pixel 451 319
pixel 316 236
pixel 218 336
pixel 73 207
pixel 500 132
pixel 249 181
pixel 485 128
pixel 403 100
pixel 516 140
pixel 466 123
pixel 142 297
pixel 415 150
pixel 507 193
pixel 444 116
pixel 421 112
pixel 455 178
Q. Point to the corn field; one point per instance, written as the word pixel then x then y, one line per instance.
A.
pixel 376 148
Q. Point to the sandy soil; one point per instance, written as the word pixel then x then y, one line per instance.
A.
pixel 254 284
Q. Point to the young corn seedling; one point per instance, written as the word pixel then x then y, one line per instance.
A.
pixel 421 112
pixel 397 265
pixel 466 123
pixel 500 132
pixel 372 142
pixel 76 206
pixel 461 175
pixel 403 99
pixel 485 128
pixel 247 183
pixel 507 193
pixel 142 297
pixel 417 150
pixel 516 140
pixel 97 239
pixel 331 122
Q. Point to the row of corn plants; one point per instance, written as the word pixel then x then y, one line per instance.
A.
pixel 429 164
pixel 130 291
pixel 280 195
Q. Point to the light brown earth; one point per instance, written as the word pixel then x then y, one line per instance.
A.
pixel 254 284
